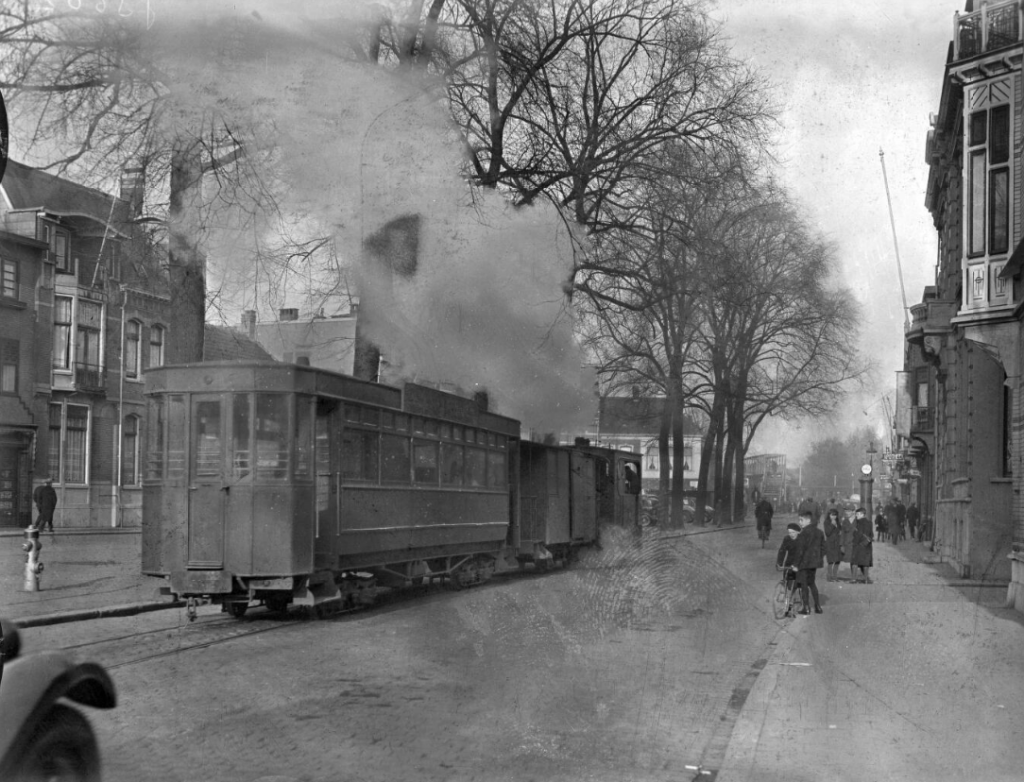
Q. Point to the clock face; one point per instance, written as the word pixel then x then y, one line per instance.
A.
pixel 866 469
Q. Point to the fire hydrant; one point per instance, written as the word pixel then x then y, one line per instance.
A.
pixel 33 567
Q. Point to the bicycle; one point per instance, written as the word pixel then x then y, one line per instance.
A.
pixel 763 531
pixel 786 599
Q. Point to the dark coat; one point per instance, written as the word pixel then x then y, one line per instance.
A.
pixel 46 499
pixel 833 540
pixel 764 512
pixel 810 548
pixel 787 552
pixel 862 537
pixel 846 539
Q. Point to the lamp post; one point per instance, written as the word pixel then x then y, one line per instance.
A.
pixel 867 479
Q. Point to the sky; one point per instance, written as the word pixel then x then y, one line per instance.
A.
pixel 854 78
pixel 851 79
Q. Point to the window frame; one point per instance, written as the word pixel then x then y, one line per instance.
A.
pixel 59 458
pixel 156 329
pixel 133 365
pixel 10 269
pixel 131 425
pixel 14 346
pixel 69 341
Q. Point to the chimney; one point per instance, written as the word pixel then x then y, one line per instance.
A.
pixel 249 323
pixel 288 313
pixel 482 400
pixel 133 188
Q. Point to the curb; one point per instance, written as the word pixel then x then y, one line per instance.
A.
pixel 19 532
pixel 81 615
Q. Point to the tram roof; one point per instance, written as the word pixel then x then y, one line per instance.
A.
pixel 274 376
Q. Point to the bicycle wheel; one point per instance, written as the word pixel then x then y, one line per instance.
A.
pixel 780 602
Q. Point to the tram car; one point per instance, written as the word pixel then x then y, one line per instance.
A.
pixel 287 484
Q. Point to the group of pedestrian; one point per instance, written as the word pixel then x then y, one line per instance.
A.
pixel 808 547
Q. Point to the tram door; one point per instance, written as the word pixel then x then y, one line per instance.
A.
pixel 206 483
pixel 328 424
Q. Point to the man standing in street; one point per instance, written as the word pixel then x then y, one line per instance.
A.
pixel 809 556
pixel 46 502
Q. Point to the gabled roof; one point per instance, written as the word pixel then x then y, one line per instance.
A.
pixel 221 343
pixel 637 415
pixel 30 188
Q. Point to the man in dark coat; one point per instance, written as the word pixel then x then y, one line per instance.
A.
pixel 810 553
pixel 913 517
pixel 763 512
pixel 46 501
pixel 862 538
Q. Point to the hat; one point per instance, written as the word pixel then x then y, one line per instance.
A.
pixel 794 527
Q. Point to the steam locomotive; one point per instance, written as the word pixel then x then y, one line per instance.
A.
pixel 285 484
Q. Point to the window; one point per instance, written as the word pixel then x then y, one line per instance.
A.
pixel 303 437
pixel 451 464
pixel 176 436
pixel 206 445
pixel 9 279
pixel 988 187
pixel 155 439
pixel 60 247
pixel 156 346
pixel 69 443
pixel 272 436
pixel 497 473
pixel 476 467
pixel 359 455
pixel 630 483
pixel 62 332
pixel 241 437
pixel 424 460
pixel 9 349
pixel 132 333
pixel 130 451
pixel 394 458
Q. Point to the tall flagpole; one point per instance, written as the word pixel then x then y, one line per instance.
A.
pixel 895 244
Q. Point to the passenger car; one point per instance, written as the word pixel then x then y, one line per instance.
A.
pixel 42 737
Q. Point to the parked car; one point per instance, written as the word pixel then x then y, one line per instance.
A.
pixel 43 737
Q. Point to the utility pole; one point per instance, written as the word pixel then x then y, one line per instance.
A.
pixel 892 222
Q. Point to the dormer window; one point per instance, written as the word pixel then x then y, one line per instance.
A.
pixel 60 247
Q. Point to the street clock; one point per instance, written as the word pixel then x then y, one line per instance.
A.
pixel 866 469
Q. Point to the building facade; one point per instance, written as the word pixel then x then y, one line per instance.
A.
pixel 962 382
pixel 84 313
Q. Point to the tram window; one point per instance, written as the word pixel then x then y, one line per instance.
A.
pixel 430 428
pixel 401 422
pixel 394 461
pixel 456 432
pixel 497 473
pixel 492 439
pixel 241 436
pixel 630 478
pixel 323 445
pixel 207 442
pixel 451 464
pixel 371 416
pixel 359 450
pixel 476 467
pixel 417 425
pixel 176 437
pixel 303 436
pixel 352 413
pixel 387 419
pixel 446 431
pixel 155 439
pixel 424 459
pixel 271 436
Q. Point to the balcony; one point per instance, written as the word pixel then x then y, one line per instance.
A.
pixel 930 318
pixel 994 26
pixel 922 419
pixel 90 378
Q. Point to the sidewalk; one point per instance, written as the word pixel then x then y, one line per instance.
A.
pixel 918 676
pixel 87 574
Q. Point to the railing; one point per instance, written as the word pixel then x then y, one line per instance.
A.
pixel 90 377
pixel 923 419
pixel 992 27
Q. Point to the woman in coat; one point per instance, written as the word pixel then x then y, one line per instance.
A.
pixel 846 544
pixel 833 544
pixel 861 554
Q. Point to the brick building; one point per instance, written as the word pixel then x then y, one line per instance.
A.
pixel 962 437
pixel 84 312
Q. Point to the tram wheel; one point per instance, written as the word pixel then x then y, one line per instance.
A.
pixel 278 603
pixel 237 609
